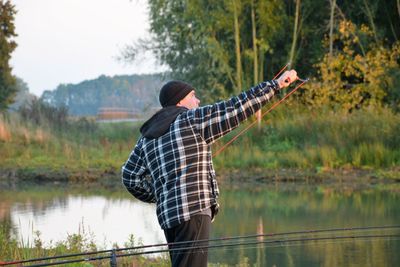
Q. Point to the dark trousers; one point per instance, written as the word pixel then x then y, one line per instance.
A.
pixel 197 228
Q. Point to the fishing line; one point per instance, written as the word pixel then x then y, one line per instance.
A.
pixel 271 235
pixel 267 235
pixel 301 242
pixel 270 243
pixel 298 244
pixel 284 68
pixel 223 147
pixel 276 242
pixel 231 246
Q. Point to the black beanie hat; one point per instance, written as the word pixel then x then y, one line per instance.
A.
pixel 174 91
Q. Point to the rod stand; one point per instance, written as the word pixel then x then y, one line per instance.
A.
pixel 113 259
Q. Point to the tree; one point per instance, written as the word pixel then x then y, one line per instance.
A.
pixel 218 46
pixel 331 26
pixel 295 30
pixel 355 78
pixel 238 54
pixel 223 47
pixel 23 97
pixel 370 16
pixel 382 17
pixel 185 38
pixel 398 6
pixel 8 87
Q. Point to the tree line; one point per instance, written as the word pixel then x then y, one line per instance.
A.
pixel 349 48
pixel 135 92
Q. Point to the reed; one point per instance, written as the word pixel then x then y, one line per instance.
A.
pixel 5 135
pixel 76 146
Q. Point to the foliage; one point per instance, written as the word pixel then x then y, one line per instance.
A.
pixel 224 47
pixel 381 16
pixel 360 73
pixel 7 46
pixel 196 40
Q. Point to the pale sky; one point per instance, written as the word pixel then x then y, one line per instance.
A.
pixel 69 41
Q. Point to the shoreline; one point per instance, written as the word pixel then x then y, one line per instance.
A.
pixel 259 175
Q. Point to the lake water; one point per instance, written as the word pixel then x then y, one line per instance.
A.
pixel 109 215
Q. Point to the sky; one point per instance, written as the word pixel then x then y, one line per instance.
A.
pixel 69 41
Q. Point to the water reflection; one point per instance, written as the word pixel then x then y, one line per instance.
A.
pixel 245 211
pixel 106 221
pixel 112 215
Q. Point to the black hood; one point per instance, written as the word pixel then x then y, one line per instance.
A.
pixel 159 123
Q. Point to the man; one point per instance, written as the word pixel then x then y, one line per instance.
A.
pixel 171 164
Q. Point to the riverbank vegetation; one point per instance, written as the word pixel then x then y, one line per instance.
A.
pixel 48 145
pixel 12 249
pixel 313 140
pixel 345 118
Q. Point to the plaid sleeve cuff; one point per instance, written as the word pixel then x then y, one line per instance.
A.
pixel 276 87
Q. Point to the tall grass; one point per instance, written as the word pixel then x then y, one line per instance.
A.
pixel 305 139
pixel 289 138
pixel 81 146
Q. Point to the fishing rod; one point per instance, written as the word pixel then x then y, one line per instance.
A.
pixel 270 235
pixel 312 231
pixel 279 242
pixel 303 81
pixel 268 243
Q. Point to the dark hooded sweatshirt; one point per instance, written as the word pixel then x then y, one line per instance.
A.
pixel 160 122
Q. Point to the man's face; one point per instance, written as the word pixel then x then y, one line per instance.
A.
pixel 190 101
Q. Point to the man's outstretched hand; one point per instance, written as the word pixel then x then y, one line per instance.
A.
pixel 287 78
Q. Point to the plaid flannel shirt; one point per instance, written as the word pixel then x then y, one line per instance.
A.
pixel 175 170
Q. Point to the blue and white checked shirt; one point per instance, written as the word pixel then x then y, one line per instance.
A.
pixel 175 170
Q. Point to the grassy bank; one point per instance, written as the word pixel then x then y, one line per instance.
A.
pixel 290 138
pixel 84 149
pixel 15 250
pixel 320 141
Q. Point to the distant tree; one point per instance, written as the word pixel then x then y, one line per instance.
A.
pixel 8 87
pixel 124 91
pixel 23 97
